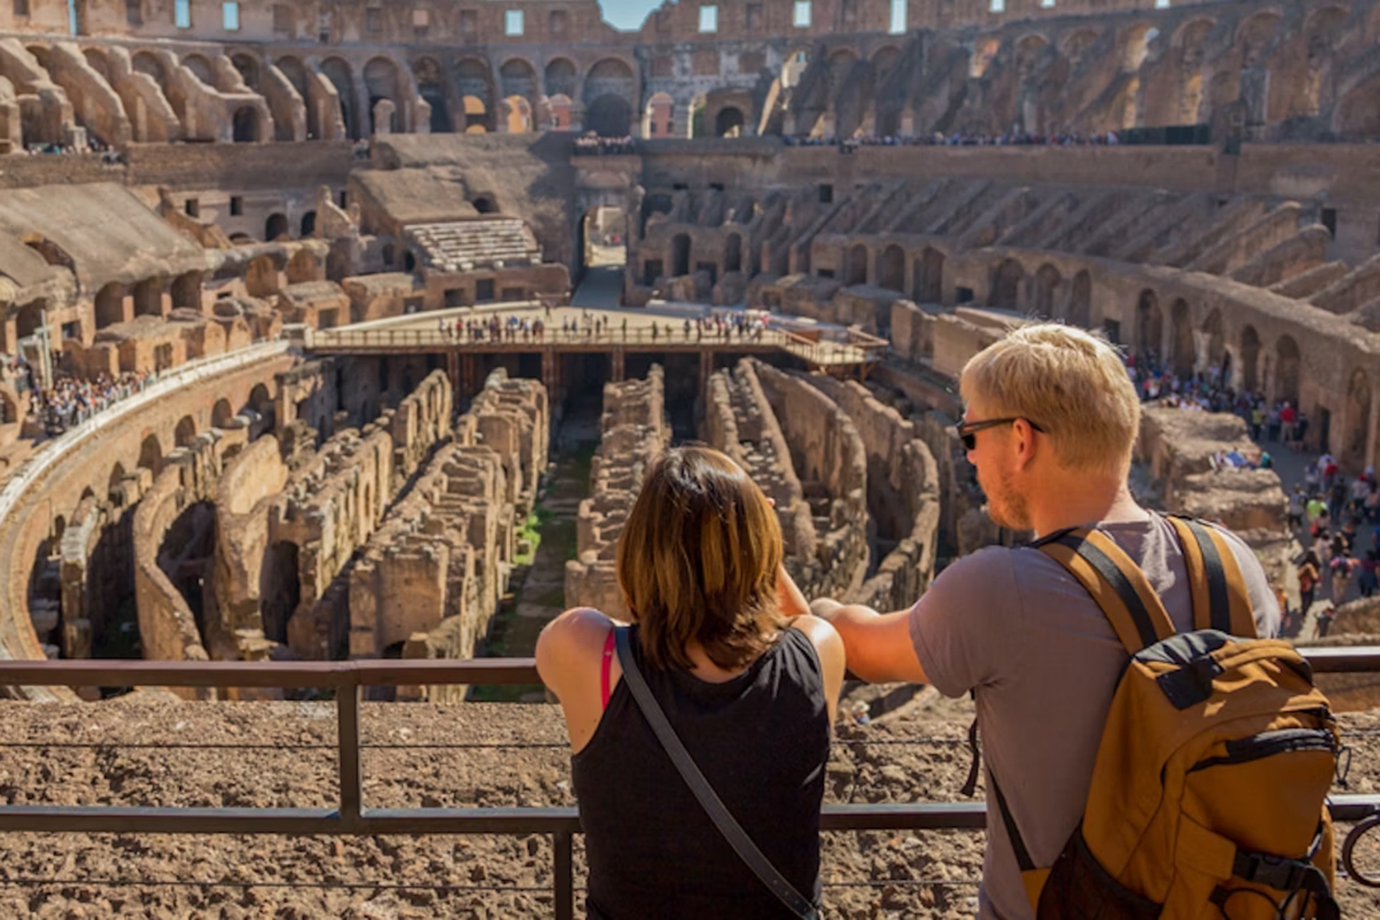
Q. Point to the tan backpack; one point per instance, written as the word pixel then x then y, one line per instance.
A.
pixel 1208 798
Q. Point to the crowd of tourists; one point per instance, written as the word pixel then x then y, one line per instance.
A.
pixel 71 401
pixel 962 139
pixel 1279 422
pixel 1333 515
pixel 604 146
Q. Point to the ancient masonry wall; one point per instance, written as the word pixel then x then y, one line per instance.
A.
pixel 326 510
pixel 635 431
pixel 1177 446
pixel 829 457
pixel 430 579
pixel 902 495
pixel 167 625
pixel 740 422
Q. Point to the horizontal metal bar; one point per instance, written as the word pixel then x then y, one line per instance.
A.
pixel 904 816
pixel 113 673
pixel 1337 659
pixel 88 819
pixel 391 672
pixel 364 672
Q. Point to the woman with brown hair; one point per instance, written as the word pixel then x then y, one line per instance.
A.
pixel 746 678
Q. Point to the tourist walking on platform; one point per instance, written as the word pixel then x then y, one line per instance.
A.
pixel 733 667
pixel 1050 421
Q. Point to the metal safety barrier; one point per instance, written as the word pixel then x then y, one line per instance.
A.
pixel 351 818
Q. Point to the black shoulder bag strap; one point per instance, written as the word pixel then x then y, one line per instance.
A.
pixel 718 812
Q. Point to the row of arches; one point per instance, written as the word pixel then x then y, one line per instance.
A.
pixel 153 455
pixel 118 303
pixel 925 283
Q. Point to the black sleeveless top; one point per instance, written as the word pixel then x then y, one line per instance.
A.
pixel 761 739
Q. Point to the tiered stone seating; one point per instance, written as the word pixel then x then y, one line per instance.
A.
pixel 457 246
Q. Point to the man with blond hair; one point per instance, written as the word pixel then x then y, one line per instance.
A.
pixel 1050 421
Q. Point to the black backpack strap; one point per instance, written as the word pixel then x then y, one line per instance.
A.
pixel 1220 598
pixel 1115 582
pixel 718 812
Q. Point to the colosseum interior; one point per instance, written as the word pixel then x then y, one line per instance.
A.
pixel 346 329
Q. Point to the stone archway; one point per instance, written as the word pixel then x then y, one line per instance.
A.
pixel 857 265
pixel 1288 363
pixel 891 269
pixel 927 283
pixel 1185 354
pixel 609 115
pixel 276 226
pixel 110 305
pixel 1250 359
pixel 185 432
pixel 1006 285
pixel 151 454
pixel 1214 340
pixel 1047 281
pixel 729 122
pixel 245 127
pixel 221 413
pixel 1149 326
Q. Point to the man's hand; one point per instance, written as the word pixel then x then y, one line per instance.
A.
pixel 877 645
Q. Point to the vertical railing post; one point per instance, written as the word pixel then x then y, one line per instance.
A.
pixel 564 871
pixel 351 783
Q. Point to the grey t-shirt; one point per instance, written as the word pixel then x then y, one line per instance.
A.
pixel 1016 627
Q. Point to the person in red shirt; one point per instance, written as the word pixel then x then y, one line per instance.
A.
pixel 1287 417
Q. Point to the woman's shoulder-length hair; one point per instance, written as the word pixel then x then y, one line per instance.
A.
pixel 697 561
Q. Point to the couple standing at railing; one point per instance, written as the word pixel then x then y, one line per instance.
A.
pixel 701 731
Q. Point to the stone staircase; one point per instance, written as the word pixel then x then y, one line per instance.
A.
pixel 457 246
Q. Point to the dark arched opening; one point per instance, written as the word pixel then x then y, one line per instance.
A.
pixel 1006 285
pixel 275 227
pixel 857 265
pixel 245 125
pixel 280 589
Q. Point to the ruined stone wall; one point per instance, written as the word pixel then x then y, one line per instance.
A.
pixel 300 535
pixel 740 422
pixel 167 626
pixel 1176 447
pixel 430 579
pixel 903 496
pixel 634 431
pixel 250 483
pixel 129 439
pixel 829 458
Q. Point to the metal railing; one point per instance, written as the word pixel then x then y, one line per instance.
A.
pixel 824 351
pixel 351 817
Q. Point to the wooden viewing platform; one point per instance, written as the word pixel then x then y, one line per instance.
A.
pixel 856 352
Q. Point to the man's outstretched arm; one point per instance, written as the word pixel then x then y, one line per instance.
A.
pixel 877 646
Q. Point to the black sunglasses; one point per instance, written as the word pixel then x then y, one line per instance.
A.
pixel 967 431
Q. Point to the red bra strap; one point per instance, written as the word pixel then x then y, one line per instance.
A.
pixel 604 669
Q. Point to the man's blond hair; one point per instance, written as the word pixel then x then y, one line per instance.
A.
pixel 1069 382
